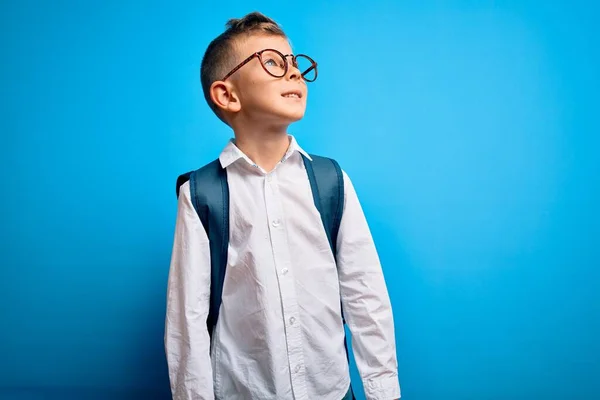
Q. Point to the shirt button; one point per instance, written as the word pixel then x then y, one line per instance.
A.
pixel 276 223
pixel 292 320
pixel 297 368
pixel 284 271
pixel 270 178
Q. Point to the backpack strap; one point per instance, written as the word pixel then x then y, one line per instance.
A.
pixel 327 185
pixel 210 196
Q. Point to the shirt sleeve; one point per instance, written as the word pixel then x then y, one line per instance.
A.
pixel 187 343
pixel 366 303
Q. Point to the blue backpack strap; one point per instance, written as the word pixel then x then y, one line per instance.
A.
pixel 327 185
pixel 210 196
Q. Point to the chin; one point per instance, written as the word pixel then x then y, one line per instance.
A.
pixel 296 117
pixel 285 114
pixel 293 115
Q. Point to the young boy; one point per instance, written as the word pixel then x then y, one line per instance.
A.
pixel 279 333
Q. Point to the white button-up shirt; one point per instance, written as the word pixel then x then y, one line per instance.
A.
pixel 279 334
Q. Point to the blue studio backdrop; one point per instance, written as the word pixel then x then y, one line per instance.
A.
pixel 470 130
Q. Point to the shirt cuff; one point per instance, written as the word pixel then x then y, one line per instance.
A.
pixel 382 388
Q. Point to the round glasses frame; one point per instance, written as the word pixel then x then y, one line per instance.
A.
pixel 285 65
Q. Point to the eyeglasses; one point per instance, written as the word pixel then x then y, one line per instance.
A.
pixel 276 64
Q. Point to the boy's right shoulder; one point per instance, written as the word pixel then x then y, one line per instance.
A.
pixel 208 172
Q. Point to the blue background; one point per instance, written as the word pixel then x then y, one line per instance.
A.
pixel 470 130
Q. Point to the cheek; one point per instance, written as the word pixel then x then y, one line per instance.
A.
pixel 261 97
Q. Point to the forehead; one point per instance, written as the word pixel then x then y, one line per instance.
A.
pixel 254 43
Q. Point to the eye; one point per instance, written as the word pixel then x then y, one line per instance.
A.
pixel 270 63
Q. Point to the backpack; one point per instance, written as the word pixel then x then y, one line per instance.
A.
pixel 210 197
pixel 209 192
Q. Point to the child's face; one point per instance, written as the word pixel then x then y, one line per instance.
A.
pixel 262 95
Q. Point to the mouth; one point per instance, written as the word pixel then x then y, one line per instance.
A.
pixel 293 94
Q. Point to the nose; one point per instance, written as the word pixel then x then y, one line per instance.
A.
pixel 292 72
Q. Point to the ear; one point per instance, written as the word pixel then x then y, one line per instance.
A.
pixel 223 94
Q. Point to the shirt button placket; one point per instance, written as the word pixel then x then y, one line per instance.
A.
pixel 286 287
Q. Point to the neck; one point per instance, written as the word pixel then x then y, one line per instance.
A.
pixel 264 146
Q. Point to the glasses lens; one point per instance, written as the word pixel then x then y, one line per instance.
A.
pixel 273 63
pixel 307 67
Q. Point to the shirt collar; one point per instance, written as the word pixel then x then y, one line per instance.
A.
pixel 231 153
